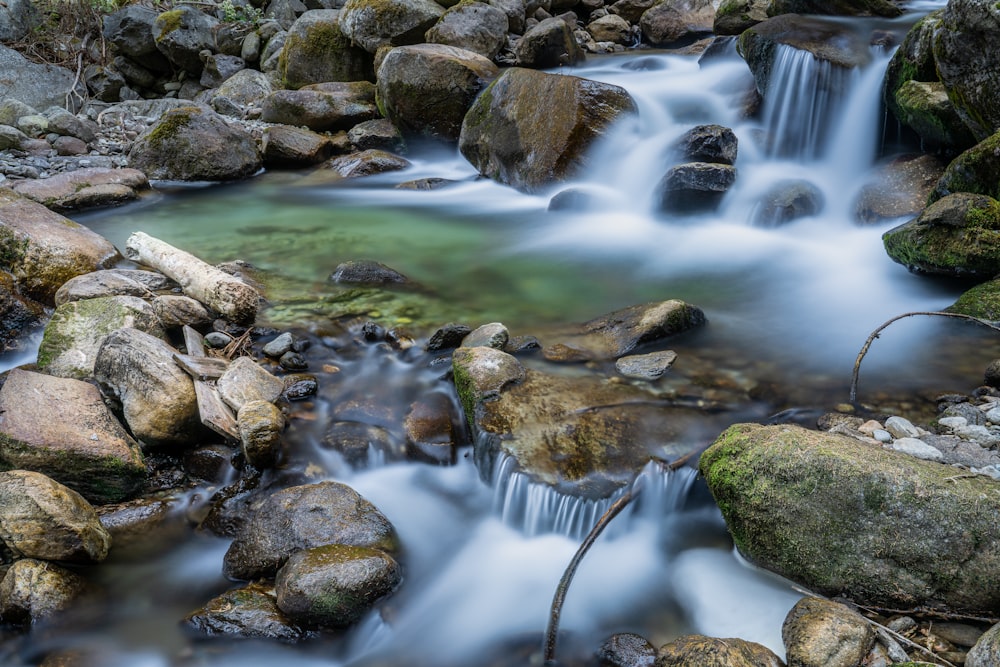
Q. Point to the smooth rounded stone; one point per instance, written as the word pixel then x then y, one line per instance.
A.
pixel 986 652
pixel 625 649
pixel 218 340
pixel 695 187
pixel 278 346
pixel 379 133
pixel 900 188
pixel 322 107
pixel 66 124
pixel 447 337
pixel 822 633
pixel 707 143
pixel 426 89
pixel 715 652
pixel 567 354
pixel 77 329
pixel 960 634
pixel 361 443
pixel 85 188
pixel 36 85
pixel 473 26
pixel 972 171
pixel 293 361
pixel 303 517
pixel 430 430
pixel 317 50
pixel 646 366
pixel 953 422
pixel 248 612
pixel 787 201
pixel 245 380
pixel 366 163
pixel 86 448
pixel 42 249
pixel 925 107
pixel 175 311
pixel 618 333
pixel 971 413
pixel 11 137
pixel 734 16
pixel 673 20
pixel 41 518
pixel 900 427
pixel 299 386
pixel 367 272
pixel 993 415
pixel 916 447
pixel 549 44
pixel 243 90
pixel 611 28
pixel 284 146
pixel 882 435
pixel 260 425
pixel 335 585
pixel 33 125
pixel 181 35
pixel 33 591
pixel 68 146
pixel 482 372
pixel 371 25
pixel 157 397
pixel 250 48
pixel 981 435
pixel 493 335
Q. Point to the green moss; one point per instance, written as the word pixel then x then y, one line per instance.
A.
pixel 982 301
pixel 465 386
pixel 13 248
pixel 169 21
pixel 170 125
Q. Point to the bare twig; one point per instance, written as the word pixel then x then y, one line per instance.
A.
pixel 935 613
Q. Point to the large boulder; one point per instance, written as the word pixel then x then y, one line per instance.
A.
pixel 824 633
pixel 182 33
pixel 42 249
pixel 673 20
pixel 375 23
pixel 17 19
pixel 243 90
pixel 130 30
pixel 317 51
pixel 834 7
pixel 975 170
pixel 925 107
pixel 330 107
pixel 473 26
pixel 899 188
pixel 38 86
pixel 85 188
pixel 549 44
pixel 532 130
pixel 284 146
pixel 426 89
pixel 955 236
pixel 112 282
pixel 843 517
pixel 195 144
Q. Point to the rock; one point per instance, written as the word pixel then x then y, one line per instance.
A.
pixel 549 44
pixel 111 282
pixel 986 650
pixel 925 107
pixel 182 33
pixel 672 20
pixel 38 86
pixel 67 146
pixel 245 381
pixel 367 272
pixel 899 188
pixel 376 134
pixel 695 187
pixel 374 23
pixel 334 585
pixel 41 518
pixel 786 201
pixel 279 346
pixel 195 144
pixel 426 89
pixel 822 633
pixel 646 366
pixel 973 171
pixel 300 386
pixel 249 612
pixel 734 16
pixel 472 26
pixel 77 329
pixel 33 591
pixel 66 124
pixel 625 649
pixel 11 109
pixel 130 30
pixel 958 235
pixel 321 110
pixel 85 188
pixel 916 448
pixel 451 335
pixel 243 90
pixel 17 19
pixel 836 8
pixel 707 143
pixel 260 425
pixel 86 448
pixel 42 249
pixel 11 137
pixel 713 652
pixel 515 11
pixel 303 517
pixel 157 397
pixel 531 129
pixel 913 60
pixel 631 10
pixel 284 146
pixel 430 431
pixel 316 50
pixel 619 333
pixel 20 317
pixel 131 524
pixel 981 301
pixel 218 68
pixel 175 311
pixel 493 335
pixel 366 163
pixel 960 634
pixel 611 28
pixel 868 522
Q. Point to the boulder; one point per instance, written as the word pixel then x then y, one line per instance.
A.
pixel 982 301
pixel 631 10
pixel 843 517
pixel 243 90
pixel 182 33
pixel 260 425
pixel 515 11
pixel 625 649
pixel 672 20
pixel 334 585
pixel 531 129
pixel 42 249
pixel 157 398
pixel 975 170
pixel 323 110
pixel 378 134
pixel 66 124
pixel 899 188
pixel 86 448
pixel 175 311
pixel 925 107
pixel 786 201
pixel 549 44
pixel 219 68
pixel 835 8
pixel 303 517
pixel 734 16
pixel 610 28
pixel 472 26
pixel 41 518
pixel 707 143
pixel 822 633
pixel 248 612
pixel 695 187
pixel 375 23
pixel 913 60
pixel 195 144
pixel 38 86
pixel 245 381
pixel 130 30
pixel 955 236
pixel 714 652
pixel 17 19
pixel 426 89
pixel 112 282
pixel 316 50
pixel 77 328
pixel 33 591
pixel 284 146
pixel 366 163
pixel 986 650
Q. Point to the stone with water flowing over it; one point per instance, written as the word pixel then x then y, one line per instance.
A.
pixel 365 163
pixel 646 366
pixel 33 591
pixel 787 201
pixel 708 143
pixel 823 633
pixel 695 187
pixel 249 612
pixel 715 652
pixel 899 188
pixel 431 434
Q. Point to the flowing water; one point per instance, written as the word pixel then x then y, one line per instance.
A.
pixel 788 306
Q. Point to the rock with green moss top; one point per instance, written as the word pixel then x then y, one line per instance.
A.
pixel 426 89
pixel 195 144
pixel 955 236
pixel 715 652
pixel 834 7
pixel 473 26
pixel 316 51
pixel 248 612
pixel 975 170
pixel 375 23
pixel 913 60
pixel 968 62
pixel 533 130
pixel 321 109
pixel 734 16
pixel 335 585
pixel 85 449
pixel 982 301
pixel 925 107
pixel 181 34
pixel 42 249
pixel 842 517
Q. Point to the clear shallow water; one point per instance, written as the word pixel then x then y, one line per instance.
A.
pixel 790 305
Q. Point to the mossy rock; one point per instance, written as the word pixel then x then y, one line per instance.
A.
pixel 976 170
pixel 925 107
pixel 734 16
pixel 317 51
pixel 982 301
pixel 834 7
pixel 371 24
pixel 913 60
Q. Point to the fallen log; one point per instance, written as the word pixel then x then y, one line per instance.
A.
pixel 223 293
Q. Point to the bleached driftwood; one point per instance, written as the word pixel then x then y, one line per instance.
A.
pixel 223 293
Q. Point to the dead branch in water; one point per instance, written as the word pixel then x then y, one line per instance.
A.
pixel 875 334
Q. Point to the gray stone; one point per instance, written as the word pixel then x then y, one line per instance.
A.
pixel 17 19
pixel 130 29
pixel 367 272
pixel 219 68
pixel 317 50
pixel 248 612
pixel 376 134
pixel 111 282
pixel 473 26
pixel 549 44
pixel 85 188
pixel 695 187
pixel 243 90
pixel 610 28
pixel 33 591
pixel 707 143
pixel 322 109
pixel 625 649
pixel 67 124
pixel 493 335
pixel 986 652
pixel 787 201
pixel 672 20
pixel 181 34
pixel 291 147
pixel 245 380
pixel 916 447
pixel 277 347
pixel 371 25
pixel 366 163
pixel 175 311
pixel 646 366
pixel 901 427
pixel 38 86
pixel 822 633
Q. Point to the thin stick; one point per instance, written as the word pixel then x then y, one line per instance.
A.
pixel 875 334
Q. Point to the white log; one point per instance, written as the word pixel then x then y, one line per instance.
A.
pixel 223 293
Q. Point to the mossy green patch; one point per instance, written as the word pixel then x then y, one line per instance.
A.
pixel 172 123
pixel 169 21
pixel 13 248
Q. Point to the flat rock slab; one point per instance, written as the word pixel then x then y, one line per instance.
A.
pixel 85 448
pixel 85 188
pixel 245 380
pixel 112 282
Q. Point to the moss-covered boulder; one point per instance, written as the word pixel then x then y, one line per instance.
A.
pixel 734 16
pixel 913 60
pixel 426 89
pixel 925 107
pixel 834 7
pixel 375 23
pixel 182 33
pixel 975 170
pixel 982 301
pixel 316 51
pixel 473 26
pixel 847 518
pixel 955 236
pixel 532 130
pixel 195 144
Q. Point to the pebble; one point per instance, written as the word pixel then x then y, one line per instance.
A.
pixel 993 415
pixel 901 428
pixel 279 345
pixel 218 340
pixel 917 448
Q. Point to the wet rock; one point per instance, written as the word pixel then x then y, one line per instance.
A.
pixel 426 89
pixel 430 431
pixel 836 8
pixel 33 591
pixel 195 144
pixel 620 332
pixel 260 424
pixel 174 311
pixel 181 35
pixel 870 521
pixel 822 633
pixel 981 301
pixel 481 373
pixel 299 386
pixel 625 649
pixel 472 26
pixel 973 171
pixel 986 650
pixel 360 443
pixel 926 108
pixel 913 60
pixel 366 163
pixel 531 129
pixel 388 23
pixel 243 90
pixel 77 329
pixel 899 188
pixel 695 187
pixel 379 133
pixel 316 50
pixel 672 20
pixel 787 201
pixel 335 585
pixel 646 366
pixel 85 188
pixel 20 317
pixel 367 272
pixel 707 143
pixel 85 448
pixel 549 44
pixel 249 612
pixel 493 335
pixel 425 184
pixel 245 381
pixel 139 528
pixel 303 517
pixel 610 28
pixel 38 86
pixel 284 146
pixel 450 336
pixel 734 16
pixel 41 518
pixel 157 398
pixel 277 347
pixel 714 652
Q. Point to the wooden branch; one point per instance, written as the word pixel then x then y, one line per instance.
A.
pixel 214 412
pixel 218 290
pixel 202 367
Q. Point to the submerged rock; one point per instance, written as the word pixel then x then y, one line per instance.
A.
pixel 786 201
pixel 625 649
pixel 899 188
pixel 249 612
pixel 367 272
